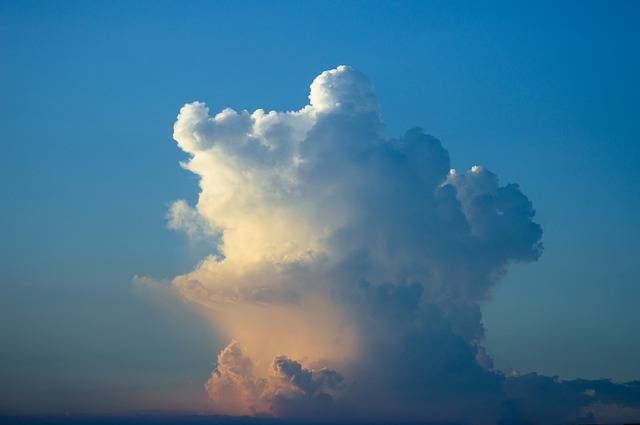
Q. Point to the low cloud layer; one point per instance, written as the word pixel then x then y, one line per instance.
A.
pixel 349 269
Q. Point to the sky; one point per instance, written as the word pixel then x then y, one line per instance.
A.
pixel 542 95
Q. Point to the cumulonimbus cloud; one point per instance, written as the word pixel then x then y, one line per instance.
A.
pixel 350 268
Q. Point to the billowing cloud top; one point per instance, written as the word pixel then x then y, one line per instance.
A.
pixel 350 267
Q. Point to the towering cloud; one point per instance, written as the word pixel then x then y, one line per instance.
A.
pixel 350 268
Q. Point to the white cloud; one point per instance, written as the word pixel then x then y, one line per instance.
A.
pixel 184 218
pixel 353 265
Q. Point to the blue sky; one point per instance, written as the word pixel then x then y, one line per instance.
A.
pixel 542 94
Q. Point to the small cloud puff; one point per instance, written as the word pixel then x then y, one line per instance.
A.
pixel 289 390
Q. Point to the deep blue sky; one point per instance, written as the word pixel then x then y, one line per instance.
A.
pixel 545 95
